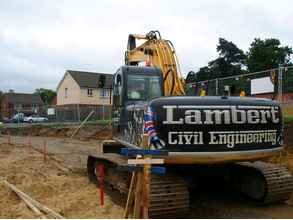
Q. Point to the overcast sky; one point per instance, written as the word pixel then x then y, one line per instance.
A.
pixel 39 40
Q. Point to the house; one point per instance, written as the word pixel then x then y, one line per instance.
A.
pixel 54 101
pixel 13 103
pixel 85 88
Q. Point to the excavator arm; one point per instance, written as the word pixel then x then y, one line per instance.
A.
pixel 160 53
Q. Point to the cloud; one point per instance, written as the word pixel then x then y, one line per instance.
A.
pixel 39 40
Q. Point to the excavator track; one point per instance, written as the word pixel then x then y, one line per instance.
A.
pixel 262 182
pixel 169 194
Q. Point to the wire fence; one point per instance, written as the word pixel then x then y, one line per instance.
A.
pixel 68 113
pixel 78 113
pixel 276 84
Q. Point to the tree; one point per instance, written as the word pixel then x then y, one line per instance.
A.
pixel 201 75
pixel 231 61
pixel 267 54
pixel 230 52
pixel 1 96
pixel 47 95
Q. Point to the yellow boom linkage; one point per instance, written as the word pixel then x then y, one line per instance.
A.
pixel 159 53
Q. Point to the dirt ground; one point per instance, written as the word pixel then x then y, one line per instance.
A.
pixel 93 132
pixel 61 184
pixel 67 192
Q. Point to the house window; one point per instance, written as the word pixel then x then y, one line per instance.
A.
pixel 90 92
pixel 18 107
pixel 35 106
pixel 104 93
pixel 66 92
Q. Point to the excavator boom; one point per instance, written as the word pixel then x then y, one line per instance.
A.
pixel 160 53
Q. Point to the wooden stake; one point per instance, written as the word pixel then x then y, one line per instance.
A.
pixel 45 150
pixel 146 191
pixel 27 202
pixel 139 190
pixel 130 197
pixel 84 121
pixel 33 208
pixel 101 171
pixel 34 202
pixel 138 196
pixel 9 138
pixel 29 144
pixel 146 181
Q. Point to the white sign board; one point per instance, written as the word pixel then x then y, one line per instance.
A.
pixel 51 111
pixel 145 161
pixel 261 85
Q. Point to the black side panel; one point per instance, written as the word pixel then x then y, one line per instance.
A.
pixel 213 124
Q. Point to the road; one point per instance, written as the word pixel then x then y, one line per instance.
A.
pixel 214 202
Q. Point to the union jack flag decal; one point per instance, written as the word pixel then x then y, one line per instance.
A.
pixel 149 128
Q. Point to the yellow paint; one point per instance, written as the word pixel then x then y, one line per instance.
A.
pixel 215 158
pixel 160 53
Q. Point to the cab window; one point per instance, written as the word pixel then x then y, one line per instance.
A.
pixel 142 87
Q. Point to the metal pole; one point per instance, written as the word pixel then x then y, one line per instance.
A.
pixel 280 85
pixel 78 113
pixel 17 117
pixel 217 87
pixel 56 114
pixel 103 108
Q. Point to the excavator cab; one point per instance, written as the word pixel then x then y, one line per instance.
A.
pixel 133 88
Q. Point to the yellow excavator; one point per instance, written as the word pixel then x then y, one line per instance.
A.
pixel 199 133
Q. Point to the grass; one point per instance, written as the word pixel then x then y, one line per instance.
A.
pixel 98 122
pixel 288 113
pixel 288 118
pixel 60 124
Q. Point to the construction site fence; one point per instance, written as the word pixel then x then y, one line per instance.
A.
pixel 71 113
pixel 254 84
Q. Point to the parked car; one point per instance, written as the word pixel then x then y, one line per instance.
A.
pixel 35 119
pixel 5 120
pixel 1 120
pixel 18 118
